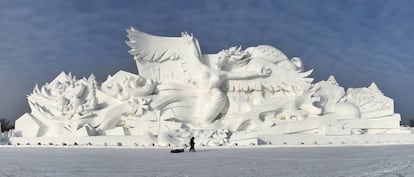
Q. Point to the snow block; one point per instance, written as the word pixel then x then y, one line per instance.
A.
pixel 299 126
pixel 58 129
pixel 166 139
pixel 337 129
pixel 139 127
pixel 86 130
pixel 392 121
pixel 137 131
pixel 116 131
pixel 244 139
pixel 28 126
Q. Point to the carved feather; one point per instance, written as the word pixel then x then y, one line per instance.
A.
pixel 178 56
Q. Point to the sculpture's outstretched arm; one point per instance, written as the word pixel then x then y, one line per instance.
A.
pixel 264 72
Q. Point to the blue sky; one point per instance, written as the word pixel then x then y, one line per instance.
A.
pixel 358 42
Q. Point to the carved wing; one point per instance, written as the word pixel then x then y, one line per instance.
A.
pixel 165 58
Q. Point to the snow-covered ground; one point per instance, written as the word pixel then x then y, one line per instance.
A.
pixel 384 161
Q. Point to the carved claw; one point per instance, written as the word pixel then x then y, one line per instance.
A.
pixel 265 71
pixel 187 37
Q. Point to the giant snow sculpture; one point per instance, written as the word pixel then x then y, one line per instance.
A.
pixel 181 92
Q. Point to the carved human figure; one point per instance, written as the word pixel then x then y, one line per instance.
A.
pixel 176 62
pixel 211 100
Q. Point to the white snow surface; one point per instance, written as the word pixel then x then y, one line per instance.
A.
pixel 366 161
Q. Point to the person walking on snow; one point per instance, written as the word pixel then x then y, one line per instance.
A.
pixel 192 143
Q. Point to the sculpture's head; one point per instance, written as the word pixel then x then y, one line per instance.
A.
pixel 275 56
pixel 232 57
pixel 220 62
pixel 267 53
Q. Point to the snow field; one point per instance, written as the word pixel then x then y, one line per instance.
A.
pixel 368 161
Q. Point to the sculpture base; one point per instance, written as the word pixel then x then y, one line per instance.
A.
pixel 357 140
pixel 240 140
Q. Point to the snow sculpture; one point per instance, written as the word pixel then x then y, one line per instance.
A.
pixel 218 98
pixel 59 107
pixel 331 93
pixel 371 101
